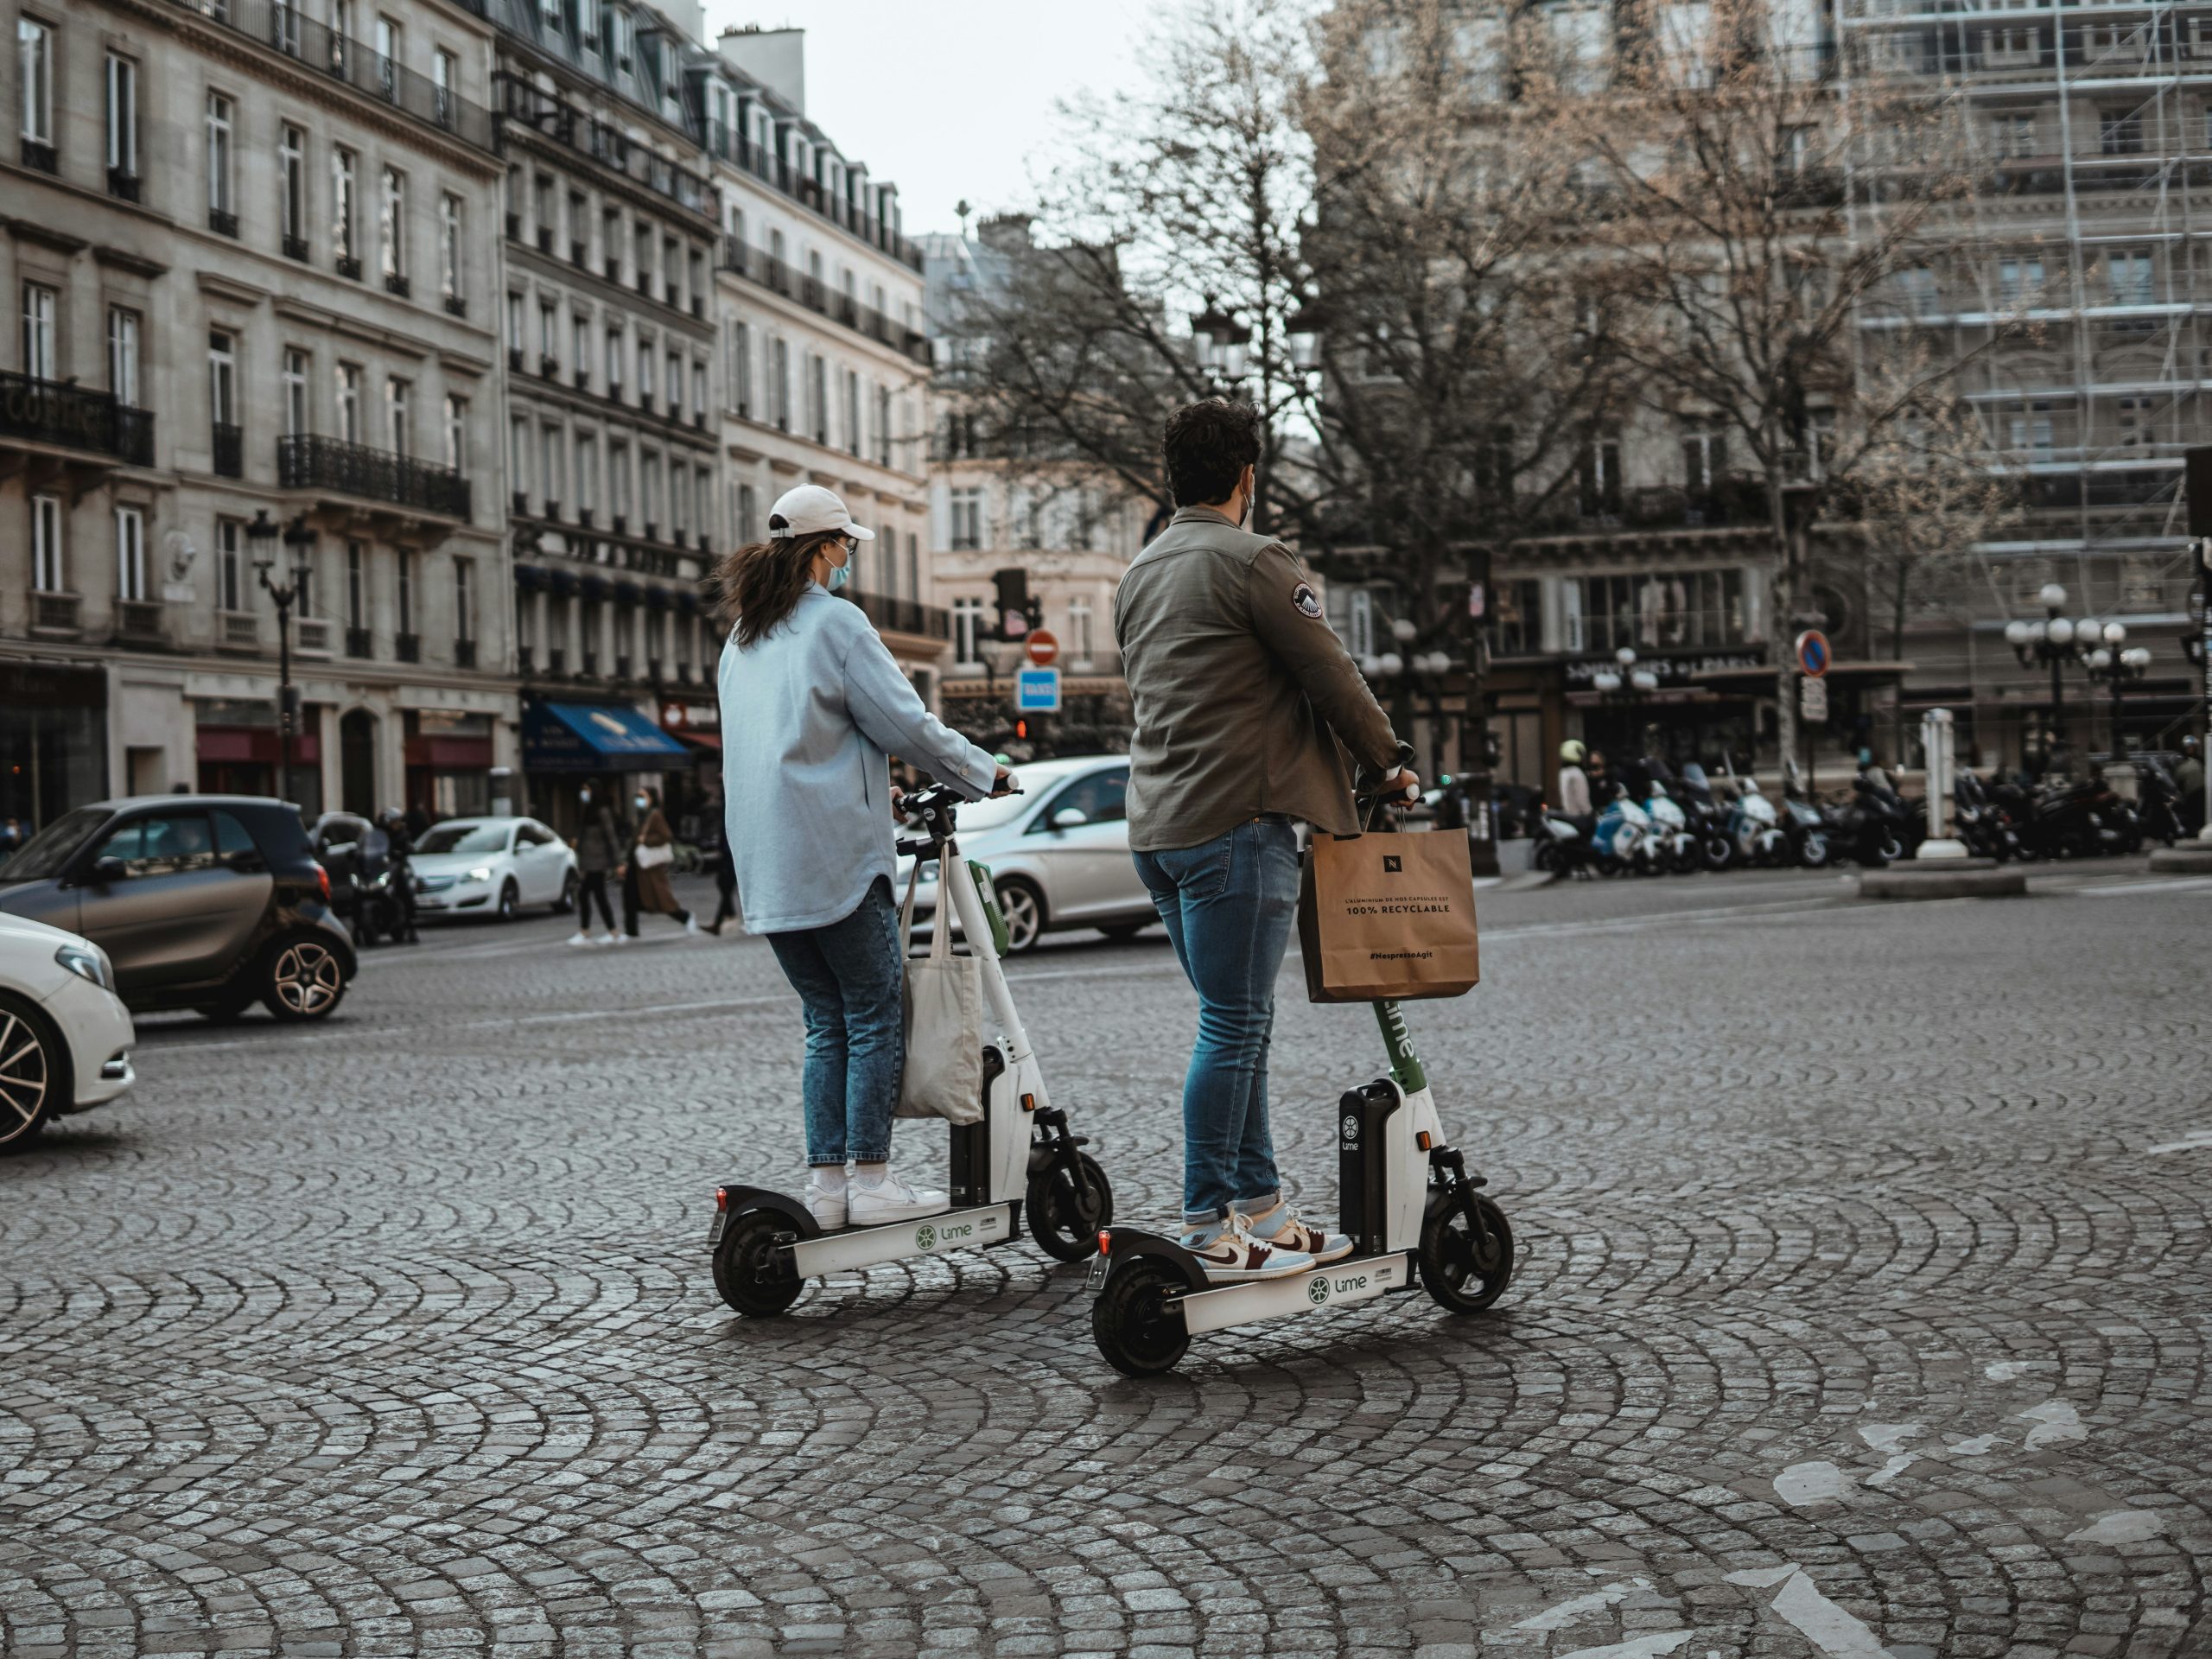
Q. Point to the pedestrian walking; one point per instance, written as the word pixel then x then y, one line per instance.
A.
pixel 725 888
pixel 646 865
pixel 599 847
pixel 805 782
pixel 1574 793
pixel 2189 778
pixel 1245 701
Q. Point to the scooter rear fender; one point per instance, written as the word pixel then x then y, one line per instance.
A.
pixel 736 1200
pixel 1127 1243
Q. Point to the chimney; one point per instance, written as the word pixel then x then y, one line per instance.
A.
pixel 1005 232
pixel 775 57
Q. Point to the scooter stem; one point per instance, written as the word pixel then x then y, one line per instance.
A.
pixel 1398 1043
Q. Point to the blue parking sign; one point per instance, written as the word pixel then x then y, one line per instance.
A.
pixel 1037 690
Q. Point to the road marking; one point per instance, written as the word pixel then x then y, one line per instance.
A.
pixel 2195 1140
pixel 2055 1422
pixel 1819 1620
pixel 1642 1647
pixel 2008 1370
pixel 1559 1617
pixel 2175 884
pixel 1811 1482
pixel 2120 1527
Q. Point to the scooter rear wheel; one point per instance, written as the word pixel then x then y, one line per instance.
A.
pixel 1064 1223
pixel 1463 1271
pixel 1135 1328
pixel 750 1272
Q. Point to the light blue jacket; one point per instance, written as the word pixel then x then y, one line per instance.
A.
pixel 810 713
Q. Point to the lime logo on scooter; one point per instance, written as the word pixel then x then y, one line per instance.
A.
pixel 925 1238
pixel 1317 1289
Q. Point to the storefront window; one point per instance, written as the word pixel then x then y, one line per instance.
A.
pixel 1683 610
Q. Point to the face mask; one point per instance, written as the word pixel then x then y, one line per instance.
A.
pixel 584 794
pixel 640 803
pixel 840 574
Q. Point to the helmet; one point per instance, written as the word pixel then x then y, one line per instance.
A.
pixel 390 816
pixel 1572 752
pixel 1865 757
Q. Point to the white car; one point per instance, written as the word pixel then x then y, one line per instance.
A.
pixel 493 866
pixel 65 1036
pixel 1058 852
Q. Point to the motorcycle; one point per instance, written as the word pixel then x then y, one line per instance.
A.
pixel 1623 838
pixel 1673 847
pixel 1808 832
pixel 1871 827
pixel 1562 846
pixel 1708 824
pixel 1983 826
pixel 2158 800
pixel 2071 819
pixel 1754 830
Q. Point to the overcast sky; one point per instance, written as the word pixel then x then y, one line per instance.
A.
pixel 949 98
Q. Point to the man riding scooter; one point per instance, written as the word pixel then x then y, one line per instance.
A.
pixel 1243 694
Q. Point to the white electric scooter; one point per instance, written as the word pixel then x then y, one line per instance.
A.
pixel 1019 1162
pixel 1405 1197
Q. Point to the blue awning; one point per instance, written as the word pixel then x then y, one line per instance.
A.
pixel 596 737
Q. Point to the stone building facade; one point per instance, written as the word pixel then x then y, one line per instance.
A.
pixel 250 257
pixel 825 359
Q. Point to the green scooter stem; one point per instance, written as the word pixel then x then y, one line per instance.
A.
pixel 1405 1064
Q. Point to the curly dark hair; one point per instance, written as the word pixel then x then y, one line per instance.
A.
pixel 1207 446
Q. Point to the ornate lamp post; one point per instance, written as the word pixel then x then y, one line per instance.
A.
pixel 261 535
pixel 2116 668
pixel 2055 641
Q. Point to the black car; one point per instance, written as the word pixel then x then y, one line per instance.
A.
pixel 200 901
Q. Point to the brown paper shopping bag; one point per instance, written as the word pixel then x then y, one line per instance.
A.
pixel 1388 916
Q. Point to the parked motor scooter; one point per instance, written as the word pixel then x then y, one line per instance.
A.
pixel 1870 825
pixel 1808 832
pixel 1622 838
pixel 1982 826
pixel 1754 830
pixel 1563 846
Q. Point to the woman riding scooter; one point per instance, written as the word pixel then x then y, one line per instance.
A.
pixel 814 704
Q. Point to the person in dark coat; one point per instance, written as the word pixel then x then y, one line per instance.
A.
pixel 599 847
pixel 646 867
pixel 726 885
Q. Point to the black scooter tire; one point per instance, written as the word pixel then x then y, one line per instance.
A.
pixel 1050 1206
pixel 749 1273
pixel 1451 1258
pixel 1135 1329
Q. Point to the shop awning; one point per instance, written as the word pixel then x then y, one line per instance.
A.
pixel 594 737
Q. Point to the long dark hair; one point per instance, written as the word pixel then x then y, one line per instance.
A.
pixel 757 585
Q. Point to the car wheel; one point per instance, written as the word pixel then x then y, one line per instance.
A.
pixel 1023 906
pixel 567 901
pixel 509 901
pixel 33 1073
pixel 306 980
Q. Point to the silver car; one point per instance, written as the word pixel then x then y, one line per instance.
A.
pixel 1058 853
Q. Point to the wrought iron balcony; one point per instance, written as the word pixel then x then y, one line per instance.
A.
pixel 464 653
pixel 40 157
pixel 223 223
pixel 524 103
pixel 358 643
pixel 349 267
pixel 46 411
pixel 141 622
pixel 407 647
pixel 354 469
pixel 123 184
pixel 395 283
pixel 456 306
pixel 227 444
pixel 295 247
pixel 55 612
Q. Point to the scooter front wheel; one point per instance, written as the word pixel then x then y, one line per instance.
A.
pixel 1065 1223
pixel 1134 1321
pixel 1466 1254
pixel 751 1274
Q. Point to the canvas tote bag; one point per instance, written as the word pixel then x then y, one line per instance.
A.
pixel 1388 916
pixel 944 1017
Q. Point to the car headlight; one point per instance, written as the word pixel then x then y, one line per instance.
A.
pixel 87 962
pixel 482 873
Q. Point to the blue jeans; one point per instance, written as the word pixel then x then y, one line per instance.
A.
pixel 851 985
pixel 1229 904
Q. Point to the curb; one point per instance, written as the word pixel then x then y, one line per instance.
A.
pixel 1955 877
pixel 2183 861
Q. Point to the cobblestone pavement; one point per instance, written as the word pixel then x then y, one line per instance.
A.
pixel 1861 1309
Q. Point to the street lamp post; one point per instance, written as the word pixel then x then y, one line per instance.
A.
pixel 260 534
pixel 2117 667
pixel 2056 641
pixel 2197 646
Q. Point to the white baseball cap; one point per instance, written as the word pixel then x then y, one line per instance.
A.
pixel 808 510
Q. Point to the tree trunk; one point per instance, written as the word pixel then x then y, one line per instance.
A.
pixel 1782 624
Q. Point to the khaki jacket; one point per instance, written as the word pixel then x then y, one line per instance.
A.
pixel 1243 692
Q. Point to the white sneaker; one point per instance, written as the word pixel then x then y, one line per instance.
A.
pixel 892 1199
pixel 579 938
pixel 1281 1230
pixel 616 938
pixel 1230 1255
pixel 690 924
pixel 827 1208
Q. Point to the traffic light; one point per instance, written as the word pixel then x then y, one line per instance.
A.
pixel 1014 615
pixel 1021 731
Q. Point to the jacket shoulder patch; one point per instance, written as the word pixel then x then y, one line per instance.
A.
pixel 1304 597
